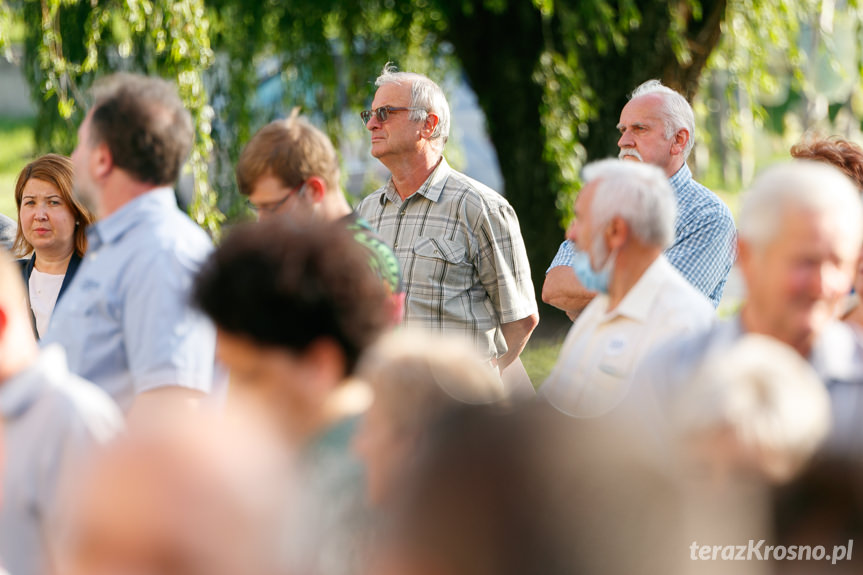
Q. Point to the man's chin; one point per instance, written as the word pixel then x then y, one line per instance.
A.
pixel 86 197
pixel 378 149
pixel 812 323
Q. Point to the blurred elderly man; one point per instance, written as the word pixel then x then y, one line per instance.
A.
pixel 657 127
pixel 458 242
pixel 51 418
pixel 801 225
pixel 125 321
pixel 848 157
pixel 624 219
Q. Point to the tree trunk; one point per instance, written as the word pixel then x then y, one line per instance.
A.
pixel 499 53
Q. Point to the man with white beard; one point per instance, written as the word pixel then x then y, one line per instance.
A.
pixel 657 127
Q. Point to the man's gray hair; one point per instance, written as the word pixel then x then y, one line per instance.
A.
pixel 639 193
pixel 676 111
pixel 805 185
pixel 425 94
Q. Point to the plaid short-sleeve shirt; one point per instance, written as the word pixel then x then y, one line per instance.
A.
pixel 705 238
pixel 463 260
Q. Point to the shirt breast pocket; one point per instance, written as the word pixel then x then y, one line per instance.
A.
pixel 97 302
pixel 441 249
pixel 440 261
pixel 613 377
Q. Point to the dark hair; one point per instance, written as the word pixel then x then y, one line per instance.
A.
pixel 56 170
pixel 284 285
pixel 144 124
pixel 845 155
pixel 291 150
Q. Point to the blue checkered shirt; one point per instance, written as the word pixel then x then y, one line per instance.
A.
pixel 704 237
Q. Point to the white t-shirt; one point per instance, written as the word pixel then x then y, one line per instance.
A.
pixel 44 289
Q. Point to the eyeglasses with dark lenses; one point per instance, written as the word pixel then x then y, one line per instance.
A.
pixel 383 113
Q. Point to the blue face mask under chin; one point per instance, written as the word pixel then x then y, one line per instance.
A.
pixel 593 280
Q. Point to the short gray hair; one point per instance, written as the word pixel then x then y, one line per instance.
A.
pixel 676 111
pixel 425 94
pixel 802 184
pixel 639 193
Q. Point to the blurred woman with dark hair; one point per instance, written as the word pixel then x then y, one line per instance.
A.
pixel 51 230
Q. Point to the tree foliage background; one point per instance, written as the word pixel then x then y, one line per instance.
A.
pixel 550 75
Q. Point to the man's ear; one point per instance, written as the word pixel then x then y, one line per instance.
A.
pixel 101 162
pixel 616 232
pixel 681 138
pixel 325 366
pixel 430 125
pixel 316 189
pixel 745 258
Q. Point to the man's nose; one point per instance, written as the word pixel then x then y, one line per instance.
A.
pixel 625 140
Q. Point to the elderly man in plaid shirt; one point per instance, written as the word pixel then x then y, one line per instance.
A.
pixel 463 259
pixel 657 127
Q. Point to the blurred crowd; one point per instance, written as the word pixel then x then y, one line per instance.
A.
pixel 338 390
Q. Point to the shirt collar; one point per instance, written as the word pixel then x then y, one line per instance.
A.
pixel 835 356
pixel 431 189
pixel 638 301
pixel 21 391
pixel 681 178
pixel 113 227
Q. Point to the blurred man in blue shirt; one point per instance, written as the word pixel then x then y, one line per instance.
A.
pixel 125 321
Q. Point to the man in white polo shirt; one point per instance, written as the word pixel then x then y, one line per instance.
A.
pixel 624 220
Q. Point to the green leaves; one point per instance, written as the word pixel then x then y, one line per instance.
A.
pixel 70 42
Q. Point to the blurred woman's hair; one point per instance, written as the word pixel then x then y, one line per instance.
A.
pixel 845 155
pixel 419 375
